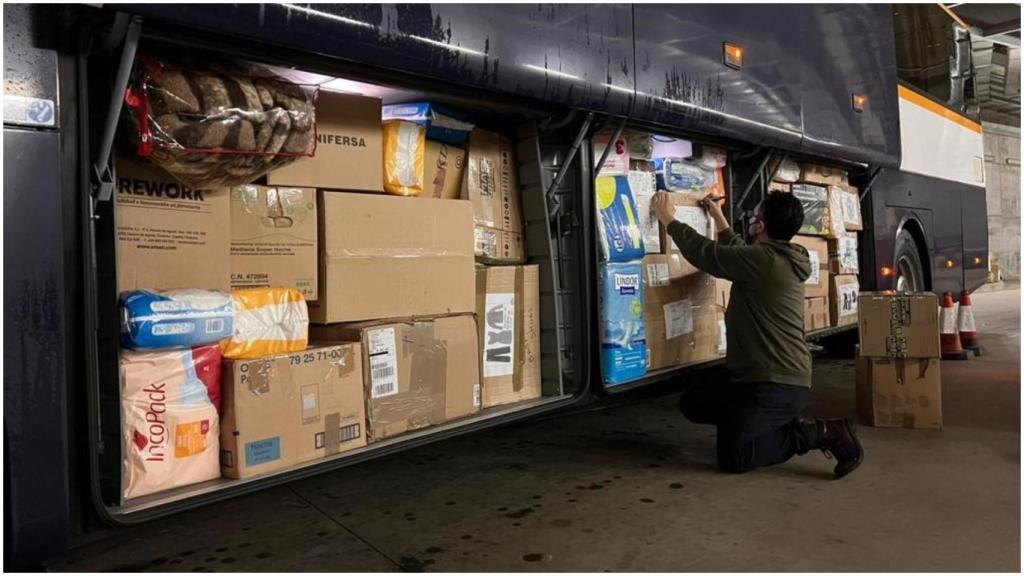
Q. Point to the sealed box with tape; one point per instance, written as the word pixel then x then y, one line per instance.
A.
pixel 817 284
pixel 681 316
pixel 508 318
pixel 900 392
pixel 899 325
pixel 289 409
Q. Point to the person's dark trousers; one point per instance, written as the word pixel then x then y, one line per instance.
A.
pixel 758 423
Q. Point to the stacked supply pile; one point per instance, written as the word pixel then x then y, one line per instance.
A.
pixel 898 378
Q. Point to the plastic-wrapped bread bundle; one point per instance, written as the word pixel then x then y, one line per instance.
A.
pixel 175 319
pixel 268 321
pixel 170 426
pixel 212 128
pixel 405 146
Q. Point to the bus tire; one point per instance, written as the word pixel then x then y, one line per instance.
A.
pixel 908 275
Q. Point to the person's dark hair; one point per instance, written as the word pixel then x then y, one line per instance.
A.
pixel 783 216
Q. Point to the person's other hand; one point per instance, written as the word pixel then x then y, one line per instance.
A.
pixel 663 208
pixel 715 211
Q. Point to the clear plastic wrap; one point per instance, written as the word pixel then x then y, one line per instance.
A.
pixel 268 321
pixel 679 175
pixel 175 319
pixel 170 423
pixel 213 128
pixel 405 146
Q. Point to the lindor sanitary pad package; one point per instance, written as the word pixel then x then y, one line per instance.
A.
pixel 622 332
pixel 618 224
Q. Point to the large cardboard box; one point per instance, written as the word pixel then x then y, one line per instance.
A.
pixel 169 236
pixel 416 372
pixel 894 324
pixel 816 284
pixel 385 256
pixel 900 392
pixel 682 321
pixel 349 147
pixel 688 210
pixel 508 317
pixel 843 256
pixel 492 185
pixel 852 218
pixel 284 410
pixel 822 175
pixel 843 296
pixel 274 238
pixel 444 169
pixel 816 314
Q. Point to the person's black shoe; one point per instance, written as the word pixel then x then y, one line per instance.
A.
pixel 838 439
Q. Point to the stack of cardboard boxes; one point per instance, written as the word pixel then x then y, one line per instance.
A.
pixel 898 377
pixel 409 331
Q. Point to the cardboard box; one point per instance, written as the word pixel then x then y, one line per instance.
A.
pixel 822 175
pixel 416 372
pixel 493 246
pixel 444 170
pixel 660 269
pixel 843 257
pixel 274 238
pixel 384 256
pixel 814 199
pixel 835 226
pixel 349 147
pixel 777 187
pixel 508 318
pixel 689 211
pixel 169 236
pixel 285 410
pixel 682 321
pixel 843 295
pixel 816 284
pixel 492 182
pixel 852 218
pixel 900 392
pixel 816 314
pixel 899 325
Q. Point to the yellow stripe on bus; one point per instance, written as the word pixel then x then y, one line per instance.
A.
pixel 915 98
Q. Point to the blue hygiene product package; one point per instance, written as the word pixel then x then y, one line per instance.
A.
pixel 623 332
pixel 679 175
pixel 617 223
pixel 442 124
pixel 176 319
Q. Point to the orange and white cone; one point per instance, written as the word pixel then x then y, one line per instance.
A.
pixel 965 323
pixel 950 339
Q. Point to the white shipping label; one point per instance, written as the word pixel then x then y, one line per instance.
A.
pixel 678 319
pixel 383 362
pixel 851 208
pixel 722 337
pixel 499 334
pixel 815 277
pixel 657 274
pixel 643 186
pixel 476 396
pixel 695 216
pixel 848 259
pixel 847 294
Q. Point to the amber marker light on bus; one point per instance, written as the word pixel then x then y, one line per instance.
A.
pixel 886 272
pixel 977 260
pixel 732 55
pixel 950 264
pixel 860 102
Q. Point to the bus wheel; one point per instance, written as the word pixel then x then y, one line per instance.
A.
pixel 909 270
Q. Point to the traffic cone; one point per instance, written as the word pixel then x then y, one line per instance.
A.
pixel 965 324
pixel 950 340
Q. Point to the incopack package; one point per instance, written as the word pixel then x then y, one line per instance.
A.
pixel 444 171
pixel 274 238
pixel 383 256
pixel 899 325
pixel 508 317
pixel 170 236
pixel 349 150
pixel 843 299
pixel 816 284
pixel 492 182
pixel 842 254
pixel 285 410
pixel 900 392
pixel 622 333
pixel 417 372
pixel 816 314
pixel 814 200
pixel 618 225
pixel 688 210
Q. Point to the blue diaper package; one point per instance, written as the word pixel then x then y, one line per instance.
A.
pixel 176 319
pixel 623 332
pixel 617 222
pixel 679 175
pixel 442 124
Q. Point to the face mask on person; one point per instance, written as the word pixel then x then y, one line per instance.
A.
pixel 755 222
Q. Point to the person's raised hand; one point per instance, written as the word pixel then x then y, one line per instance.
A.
pixel 663 208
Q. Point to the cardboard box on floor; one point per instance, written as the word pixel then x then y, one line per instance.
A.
pixel 843 296
pixel 817 285
pixel 689 211
pixel 444 170
pixel 892 324
pixel 682 321
pixel 900 392
pixel 384 256
pixel 492 185
pixel 508 317
pixel 416 372
pixel 274 238
pixel 285 410
pixel 816 314
pixel 169 236
pixel 349 147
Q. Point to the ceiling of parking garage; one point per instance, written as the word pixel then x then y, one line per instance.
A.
pixel 995 29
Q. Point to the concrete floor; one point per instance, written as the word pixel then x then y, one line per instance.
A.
pixel 633 487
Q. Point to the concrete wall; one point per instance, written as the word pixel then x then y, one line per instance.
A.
pixel 1002 193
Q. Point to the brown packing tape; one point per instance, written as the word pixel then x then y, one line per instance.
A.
pixel 520 320
pixel 423 404
pixel 259 375
pixel 429 357
pixel 332 433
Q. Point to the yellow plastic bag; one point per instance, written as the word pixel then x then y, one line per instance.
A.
pixel 268 321
pixel 405 146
